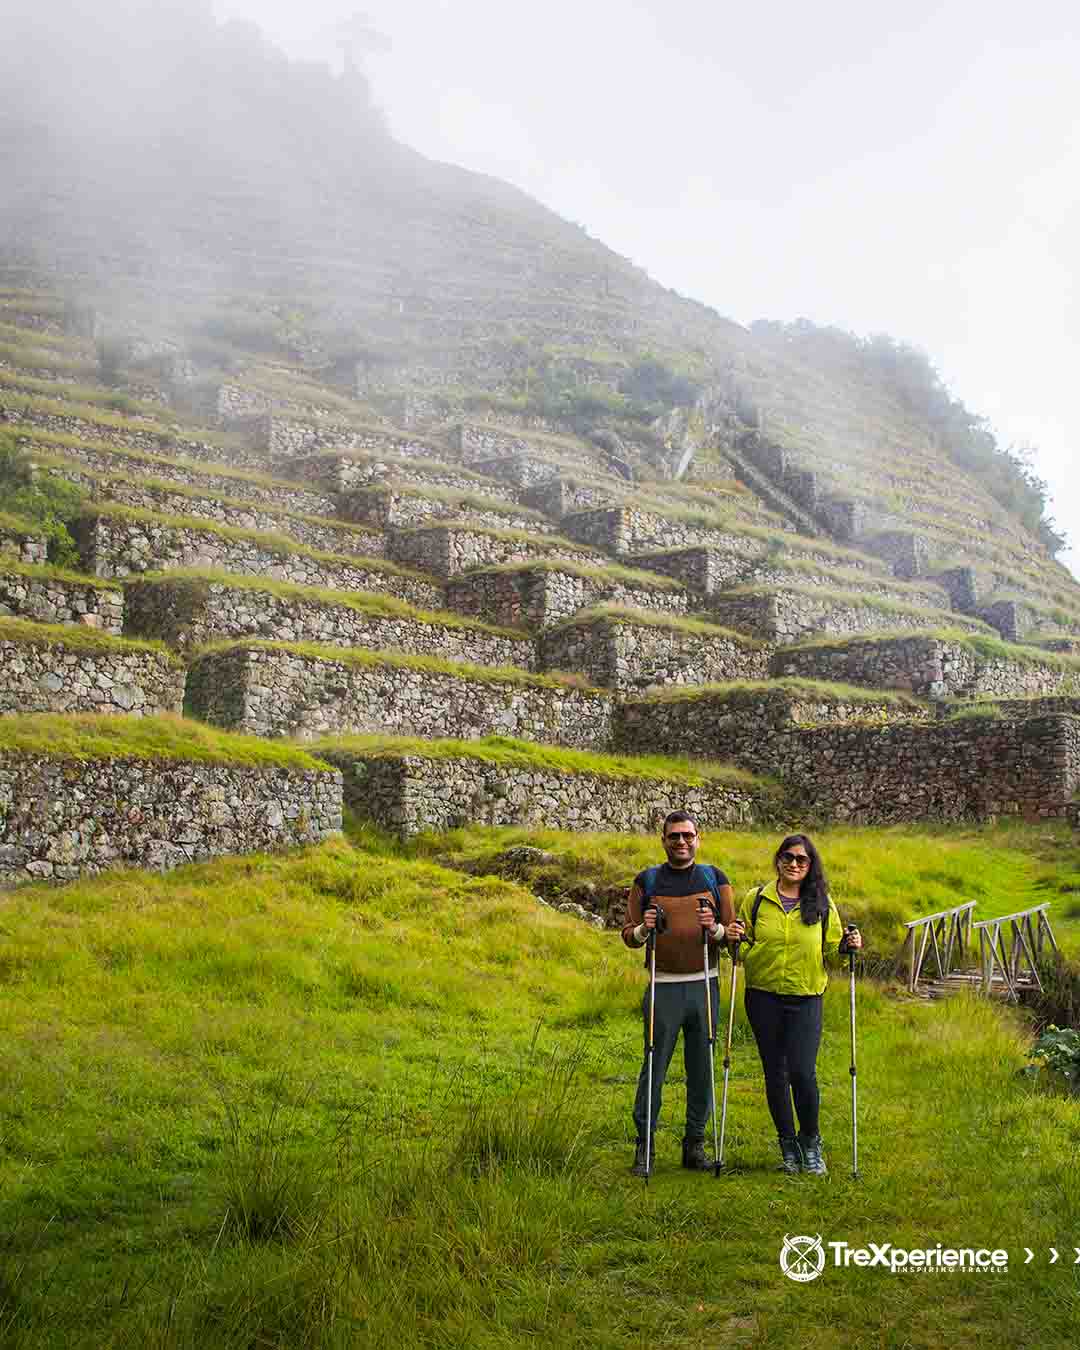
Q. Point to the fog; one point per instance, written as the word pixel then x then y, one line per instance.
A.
pixel 906 169
pixel 912 172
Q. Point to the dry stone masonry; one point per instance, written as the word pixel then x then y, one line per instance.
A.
pixel 536 596
pixel 47 596
pixel 273 690
pixel 61 818
pixel 42 670
pixel 189 612
pixel 447 550
pixel 411 793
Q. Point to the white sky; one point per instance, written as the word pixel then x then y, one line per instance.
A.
pixel 911 169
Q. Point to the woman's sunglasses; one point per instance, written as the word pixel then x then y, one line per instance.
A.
pixel 798 859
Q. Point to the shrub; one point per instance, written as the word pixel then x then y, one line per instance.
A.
pixel 51 503
pixel 1058 1050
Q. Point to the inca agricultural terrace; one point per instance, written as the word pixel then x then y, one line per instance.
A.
pixel 334 477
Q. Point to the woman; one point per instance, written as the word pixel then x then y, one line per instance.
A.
pixel 786 927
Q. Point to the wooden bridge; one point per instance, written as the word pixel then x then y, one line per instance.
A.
pixel 1010 948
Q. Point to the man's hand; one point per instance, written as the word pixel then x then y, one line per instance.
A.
pixel 649 918
pixel 707 918
pixel 735 931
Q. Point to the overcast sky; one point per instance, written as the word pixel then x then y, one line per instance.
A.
pixel 911 169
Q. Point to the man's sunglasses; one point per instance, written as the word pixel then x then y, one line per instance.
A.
pixel 681 834
pixel 799 859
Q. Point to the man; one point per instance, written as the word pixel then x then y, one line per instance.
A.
pixel 696 899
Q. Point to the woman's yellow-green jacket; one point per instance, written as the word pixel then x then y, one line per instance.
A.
pixel 781 953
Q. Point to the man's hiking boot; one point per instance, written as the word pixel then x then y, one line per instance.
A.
pixel 643 1165
pixel 811 1151
pixel 790 1155
pixel 693 1155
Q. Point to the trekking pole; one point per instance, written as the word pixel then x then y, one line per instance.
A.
pixel 651 941
pixel 854 1112
pixel 727 1052
pixel 712 1040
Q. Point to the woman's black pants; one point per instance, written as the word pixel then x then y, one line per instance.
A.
pixel 787 1028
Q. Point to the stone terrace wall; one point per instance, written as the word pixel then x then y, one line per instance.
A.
pixel 560 496
pixel 447 550
pixel 45 675
pixel 392 506
pixel 65 818
pixel 411 794
pixel 788 615
pixel 192 612
pixel 700 569
pixel 271 691
pixel 752 729
pixel 971 767
pixel 115 546
pixel 536 597
pixel 623 530
pixel 23 545
pixel 100 460
pixel 619 654
pixel 329 536
pixel 48 599
pixel 344 473
pixel 929 666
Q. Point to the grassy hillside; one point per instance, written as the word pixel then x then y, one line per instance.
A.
pixel 353 1097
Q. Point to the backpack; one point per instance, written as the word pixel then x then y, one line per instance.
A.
pixel 649 884
pixel 824 919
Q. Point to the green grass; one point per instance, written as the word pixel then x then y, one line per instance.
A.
pixel 363 602
pixel 984 645
pixel 18 525
pixel 464 501
pixel 629 576
pixel 527 755
pixel 543 543
pixel 351 1096
pixel 651 618
pixel 860 600
pixel 436 665
pixel 46 572
pixel 74 637
pixel 86 736
pixel 753 691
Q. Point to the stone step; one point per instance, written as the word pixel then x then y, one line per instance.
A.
pixel 450 548
pixel 789 613
pixel 628 649
pixel 399 787
pixel 286 689
pixel 116 541
pixel 536 595
pixel 51 595
pixel 771 493
pixel 942 665
pixel 193 609
pixel 58 668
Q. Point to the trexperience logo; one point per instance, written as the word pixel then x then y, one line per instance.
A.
pixel 803 1258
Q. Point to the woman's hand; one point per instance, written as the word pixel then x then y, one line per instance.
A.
pixel 735 931
pixel 853 940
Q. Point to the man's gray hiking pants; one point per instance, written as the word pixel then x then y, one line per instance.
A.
pixel 680 1006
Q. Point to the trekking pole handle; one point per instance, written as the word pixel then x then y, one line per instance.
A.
pixel 851 928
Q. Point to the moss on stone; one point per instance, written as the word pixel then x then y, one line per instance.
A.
pixel 46 572
pixel 856 599
pixel 18 525
pixel 753 691
pixel 611 572
pixel 986 645
pixel 88 736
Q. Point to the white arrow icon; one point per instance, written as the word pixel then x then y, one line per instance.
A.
pixel 1053 1255
pixel 1077 1251
pixel 1030 1256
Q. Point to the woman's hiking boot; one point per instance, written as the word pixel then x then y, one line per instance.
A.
pixel 813 1161
pixel 693 1155
pixel 644 1162
pixel 790 1155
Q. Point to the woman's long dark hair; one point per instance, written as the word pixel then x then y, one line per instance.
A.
pixel 813 888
